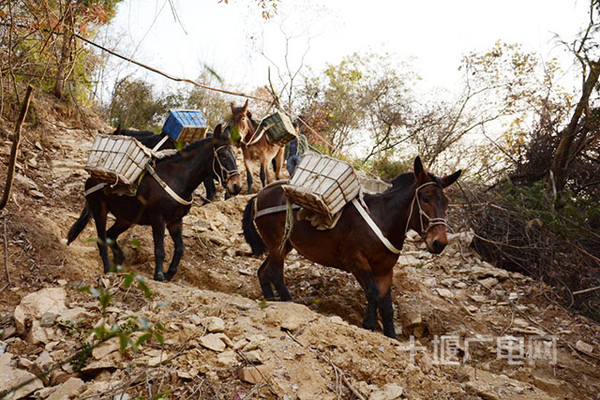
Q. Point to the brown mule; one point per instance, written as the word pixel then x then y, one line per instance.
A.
pixel 255 144
pixel 415 201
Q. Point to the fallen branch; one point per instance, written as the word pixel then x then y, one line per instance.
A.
pixel 586 290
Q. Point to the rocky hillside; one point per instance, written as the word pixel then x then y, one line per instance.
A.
pixel 469 330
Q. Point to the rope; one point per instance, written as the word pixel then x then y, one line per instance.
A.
pixel 431 222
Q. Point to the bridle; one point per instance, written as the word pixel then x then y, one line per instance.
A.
pixel 431 222
pixel 228 172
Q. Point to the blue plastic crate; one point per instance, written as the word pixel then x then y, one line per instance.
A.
pixel 185 125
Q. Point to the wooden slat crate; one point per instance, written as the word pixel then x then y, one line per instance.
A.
pixel 185 125
pixel 279 128
pixel 117 159
pixel 372 185
pixel 322 184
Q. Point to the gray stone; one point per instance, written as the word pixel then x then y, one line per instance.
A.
pixel 213 324
pixel 212 342
pixel 11 377
pixel 390 391
pixel 67 390
pixel 34 305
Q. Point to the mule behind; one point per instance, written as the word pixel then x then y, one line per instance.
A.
pixel 152 205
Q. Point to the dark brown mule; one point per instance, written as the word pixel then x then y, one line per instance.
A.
pixel 255 144
pixel 152 205
pixel 415 201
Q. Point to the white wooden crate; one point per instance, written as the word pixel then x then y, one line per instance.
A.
pixel 117 159
pixel 322 184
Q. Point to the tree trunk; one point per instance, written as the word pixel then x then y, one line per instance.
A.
pixel 564 152
pixel 65 53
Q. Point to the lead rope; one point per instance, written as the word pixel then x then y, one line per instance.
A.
pixel 431 222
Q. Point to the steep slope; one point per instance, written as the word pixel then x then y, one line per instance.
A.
pixel 470 330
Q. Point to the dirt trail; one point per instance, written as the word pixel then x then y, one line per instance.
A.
pixel 313 348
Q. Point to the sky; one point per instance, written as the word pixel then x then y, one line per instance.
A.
pixel 433 34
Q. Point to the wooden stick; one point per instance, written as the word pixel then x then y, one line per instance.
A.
pixel 15 147
pixel 586 290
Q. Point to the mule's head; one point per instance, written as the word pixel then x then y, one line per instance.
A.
pixel 428 207
pixel 240 124
pixel 224 164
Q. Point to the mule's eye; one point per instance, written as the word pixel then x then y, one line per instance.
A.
pixel 425 199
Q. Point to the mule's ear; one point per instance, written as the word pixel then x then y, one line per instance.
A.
pixel 118 131
pixel 232 106
pixel 450 179
pixel 217 132
pixel 245 108
pixel 419 169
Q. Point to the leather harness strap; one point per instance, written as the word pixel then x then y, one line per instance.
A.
pixel 95 189
pixel 363 213
pixel 166 187
pixel 273 210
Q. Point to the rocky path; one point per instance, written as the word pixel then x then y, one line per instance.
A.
pixel 469 330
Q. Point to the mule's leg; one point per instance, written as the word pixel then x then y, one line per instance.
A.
pixel 275 274
pixel 248 173
pixel 265 281
pixel 362 272
pixel 264 175
pixel 175 229
pixel 158 234
pixel 278 161
pixel 211 190
pixel 386 308
pixel 112 234
pixel 99 211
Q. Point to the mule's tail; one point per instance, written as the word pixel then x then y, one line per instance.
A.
pixel 80 224
pixel 250 232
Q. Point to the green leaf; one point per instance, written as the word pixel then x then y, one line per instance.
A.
pixel 128 280
pixel 143 323
pixel 124 340
pixel 144 338
pixel 143 286
pixel 159 337
pixel 136 243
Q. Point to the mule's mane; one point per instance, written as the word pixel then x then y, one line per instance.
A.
pixel 403 181
pixel 193 146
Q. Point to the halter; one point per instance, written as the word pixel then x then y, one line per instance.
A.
pixel 229 172
pixel 431 222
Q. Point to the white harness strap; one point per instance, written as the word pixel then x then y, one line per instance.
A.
pixel 95 189
pixel 363 213
pixel 166 187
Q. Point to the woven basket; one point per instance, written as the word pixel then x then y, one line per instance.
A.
pixel 322 184
pixel 117 159
pixel 279 128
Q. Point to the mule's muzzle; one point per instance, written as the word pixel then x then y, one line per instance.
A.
pixel 234 184
pixel 437 246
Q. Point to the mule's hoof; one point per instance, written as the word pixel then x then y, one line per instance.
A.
pixel 391 335
pixel 368 326
pixel 169 275
pixel 159 277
